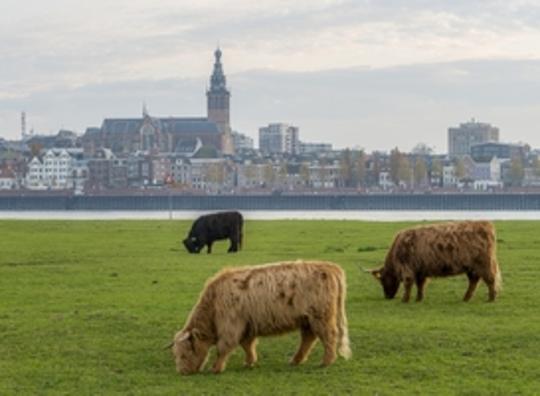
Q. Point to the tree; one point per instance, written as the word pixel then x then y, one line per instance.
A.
pixel 323 171
pixel 346 168
pixel 420 172
pixel 395 164
pixel 517 172
pixel 459 169
pixel 360 168
pixel 422 149
pixel 250 172
pixel 215 174
pixel 404 170
pixel 304 173
pixel 536 166
pixel 283 172
pixel 436 169
pixel 269 175
pixel 35 149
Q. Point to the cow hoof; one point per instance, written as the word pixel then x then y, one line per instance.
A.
pixel 295 362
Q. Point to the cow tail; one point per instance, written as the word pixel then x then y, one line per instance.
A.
pixel 344 348
pixel 498 276
pixel 495 264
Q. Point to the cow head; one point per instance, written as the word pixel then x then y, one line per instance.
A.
pixel 389 281
pixel 192 244
pixel 189 351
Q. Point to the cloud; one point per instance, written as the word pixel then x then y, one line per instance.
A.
pixel 366 107
pixel 71 63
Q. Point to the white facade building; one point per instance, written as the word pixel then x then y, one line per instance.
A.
pixel 385 181
pixel 449 176
pixel 58 169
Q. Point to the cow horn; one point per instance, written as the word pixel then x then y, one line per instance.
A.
pixel 168 346
pixel 183 337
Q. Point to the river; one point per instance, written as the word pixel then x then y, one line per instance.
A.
pixel 371 215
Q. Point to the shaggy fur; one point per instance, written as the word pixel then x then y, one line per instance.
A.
pixel 210 228
pixel 441 250
pixel 240 304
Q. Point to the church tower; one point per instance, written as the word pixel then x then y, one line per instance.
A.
pixel 218 104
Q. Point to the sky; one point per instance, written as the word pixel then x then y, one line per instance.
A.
pixel 373 74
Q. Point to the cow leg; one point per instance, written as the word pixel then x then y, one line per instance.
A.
pixel 224 349
pixel 490 282
pixel 234 246
pixel 249 345
pixel 327 332
pixel 420 285
pixel 408 283
pixel 209 247
pixel 473 282
pixel 306 344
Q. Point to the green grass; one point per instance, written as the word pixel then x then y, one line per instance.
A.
pixel 86 308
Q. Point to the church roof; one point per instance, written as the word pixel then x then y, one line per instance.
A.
pixel 188 125
pixel 182 125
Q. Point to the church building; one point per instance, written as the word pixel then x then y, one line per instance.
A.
pixel 167 135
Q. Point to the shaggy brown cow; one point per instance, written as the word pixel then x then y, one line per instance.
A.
pixel 240 304
pixel 440 250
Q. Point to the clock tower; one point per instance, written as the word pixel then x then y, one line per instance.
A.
pixel 218 103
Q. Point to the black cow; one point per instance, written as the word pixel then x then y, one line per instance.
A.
pixel 209 228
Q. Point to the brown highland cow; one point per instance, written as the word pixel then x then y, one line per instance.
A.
pixel 240 304
pixel 441 250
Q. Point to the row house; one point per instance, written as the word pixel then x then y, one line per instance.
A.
pixel 8 179
pixel 58 169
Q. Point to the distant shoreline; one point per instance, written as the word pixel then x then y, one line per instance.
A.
pixel 277 202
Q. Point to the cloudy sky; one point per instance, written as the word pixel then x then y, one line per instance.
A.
pixel 373 74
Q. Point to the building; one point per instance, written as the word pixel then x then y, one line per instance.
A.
pixel 310 148
pixel 218 104
pixel 279 138
pixel 484 152
pixel 292 142
pixel 58 169
pixel 449 178
pixel 385 181
pixel 8 179
pixel 63 139
pixel 462 138
pixel 100 169
pixel 241 141
pixel 165 134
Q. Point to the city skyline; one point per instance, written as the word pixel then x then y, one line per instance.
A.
pixel 372 75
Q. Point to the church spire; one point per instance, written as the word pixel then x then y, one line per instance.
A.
pixel 144 109
pixel 218 81
pixel 218 103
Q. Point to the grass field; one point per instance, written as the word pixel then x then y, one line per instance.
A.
pixel 86 308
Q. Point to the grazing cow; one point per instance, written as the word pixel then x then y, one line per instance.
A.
pixel 240 304
pixel 441 250
pixel 210 228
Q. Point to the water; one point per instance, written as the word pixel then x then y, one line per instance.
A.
pixel 277 215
